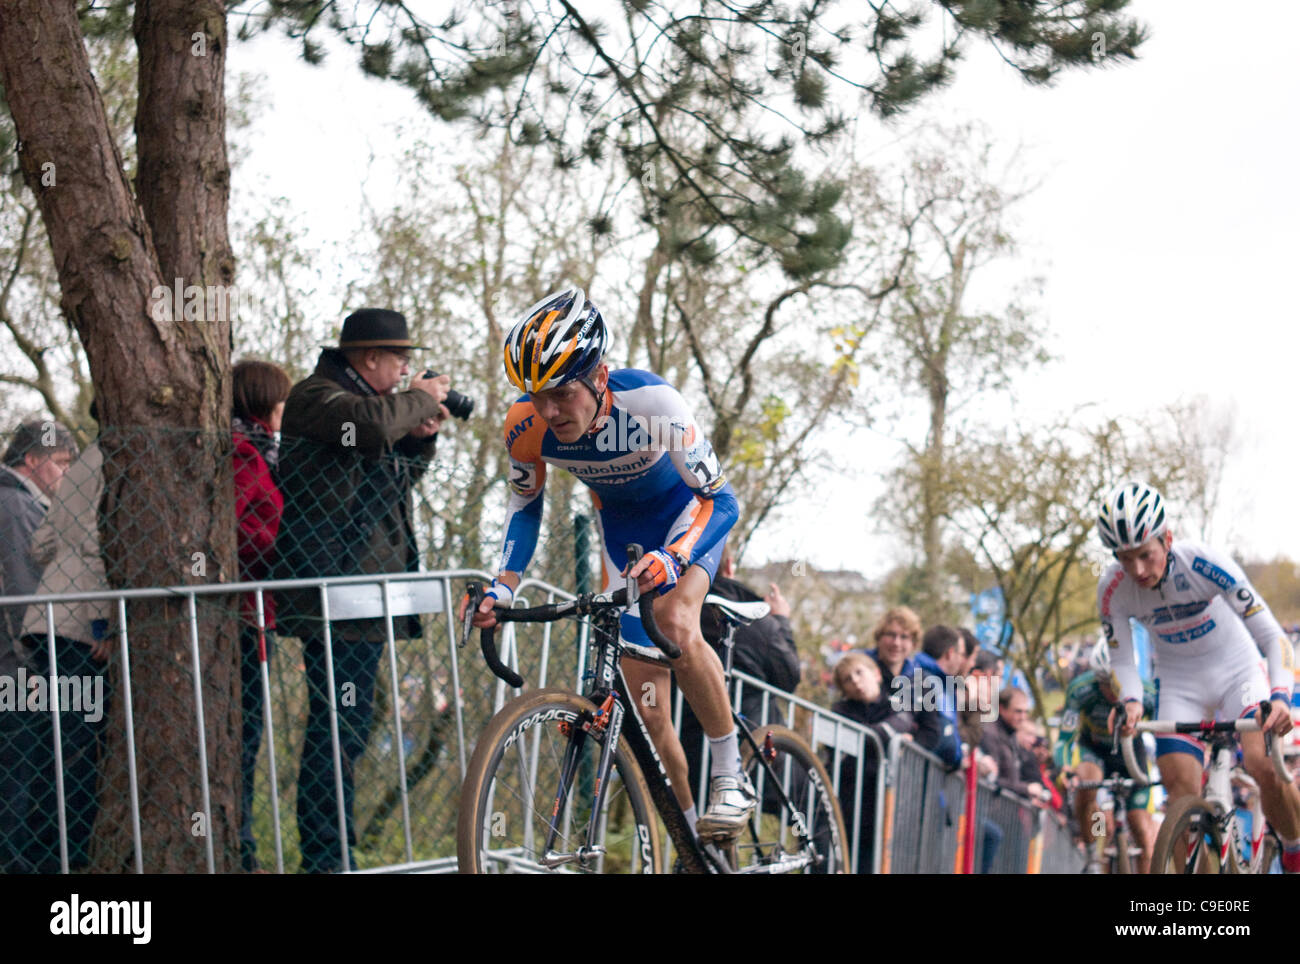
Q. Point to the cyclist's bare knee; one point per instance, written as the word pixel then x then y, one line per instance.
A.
pixel 1089 773
pixel 1180 773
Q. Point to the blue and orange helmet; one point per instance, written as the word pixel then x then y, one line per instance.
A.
pixel 560 339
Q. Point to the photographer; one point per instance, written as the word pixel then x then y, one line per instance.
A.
pixel 354 447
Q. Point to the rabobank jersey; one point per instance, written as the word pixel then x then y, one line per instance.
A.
pixel 644 454
pixel 1204 618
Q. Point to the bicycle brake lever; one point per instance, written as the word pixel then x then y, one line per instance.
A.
pixel 475 593
pixel 633 557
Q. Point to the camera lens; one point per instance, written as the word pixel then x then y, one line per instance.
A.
pixel 460 406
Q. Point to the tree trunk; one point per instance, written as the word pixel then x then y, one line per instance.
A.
pixel 163 387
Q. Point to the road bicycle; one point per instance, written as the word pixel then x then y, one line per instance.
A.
pixel 567 782
pixel 1203 835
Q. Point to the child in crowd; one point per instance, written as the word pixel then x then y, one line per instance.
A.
pixel 260 391
pixel 858 678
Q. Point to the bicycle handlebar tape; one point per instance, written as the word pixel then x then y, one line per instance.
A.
pixel 488 644
pixel 1130 762
pixel 646 605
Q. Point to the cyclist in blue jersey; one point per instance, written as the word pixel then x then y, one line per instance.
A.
pixel 1217 651
pixel 655 480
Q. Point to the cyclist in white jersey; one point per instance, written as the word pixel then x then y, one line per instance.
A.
pixel 1216 648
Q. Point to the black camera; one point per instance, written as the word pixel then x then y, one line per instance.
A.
pixel 459 405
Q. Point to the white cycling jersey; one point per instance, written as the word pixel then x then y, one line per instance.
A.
pixel 1208 630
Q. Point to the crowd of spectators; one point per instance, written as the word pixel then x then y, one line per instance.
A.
pixel 335 498
pixel 940 689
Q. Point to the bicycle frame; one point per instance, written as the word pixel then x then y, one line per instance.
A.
pixel 1217 789
pixel 609 692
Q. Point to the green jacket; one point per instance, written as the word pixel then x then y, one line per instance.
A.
pixel 347 467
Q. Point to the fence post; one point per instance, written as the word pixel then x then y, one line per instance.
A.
pixel 582 553
pixel 967 842
pixel 885 817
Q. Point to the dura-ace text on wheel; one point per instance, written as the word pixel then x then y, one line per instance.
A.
pixel 508 800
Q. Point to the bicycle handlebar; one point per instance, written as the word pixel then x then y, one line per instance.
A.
pixel 581 606
pixel 1206 727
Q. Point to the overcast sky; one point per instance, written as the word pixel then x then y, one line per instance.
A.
pixel 1165 228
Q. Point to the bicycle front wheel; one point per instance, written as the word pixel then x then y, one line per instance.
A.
pixel 513 788
pixel 1123 859
pixel 812 826
pixel 1189 841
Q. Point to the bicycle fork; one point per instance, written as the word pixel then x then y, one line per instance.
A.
pixel 606 722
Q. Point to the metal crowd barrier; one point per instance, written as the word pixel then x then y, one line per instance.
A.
pixel 431 695
pixel 924 820
pixel 390 595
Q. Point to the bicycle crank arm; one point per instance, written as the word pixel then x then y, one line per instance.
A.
pixel 554 858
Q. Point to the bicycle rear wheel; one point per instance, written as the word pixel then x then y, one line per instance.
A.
pixel 510 791
pixel 1190 822
pixel 777 833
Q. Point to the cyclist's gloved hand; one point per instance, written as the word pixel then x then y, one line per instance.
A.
pixel 501 592
pixel 664 569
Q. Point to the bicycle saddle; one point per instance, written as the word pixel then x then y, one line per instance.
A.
pixel 740 613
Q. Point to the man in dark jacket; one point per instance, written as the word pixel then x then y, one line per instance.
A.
pixel 764 649
pixel 353 449
pixel 35 461
pixel 938 663
pixel 1000 743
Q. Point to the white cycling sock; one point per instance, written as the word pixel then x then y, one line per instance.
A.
pixel 725 752
pixel 691 817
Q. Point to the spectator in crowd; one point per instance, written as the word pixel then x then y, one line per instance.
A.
pixel 858 679
pixel 1000 742
pixel 36 460
pixel 354 447
pixel 971 648
pixel 67 548
pixel 981 694
pixel 765 649
pixel 896 634
pixel 1033 743
pixel 939 661
pixel 260 392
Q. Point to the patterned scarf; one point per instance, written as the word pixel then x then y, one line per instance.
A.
pixel 265 443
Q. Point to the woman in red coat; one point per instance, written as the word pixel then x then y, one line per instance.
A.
pixel 259 395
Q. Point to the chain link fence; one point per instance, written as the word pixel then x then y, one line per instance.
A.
pixel 160 755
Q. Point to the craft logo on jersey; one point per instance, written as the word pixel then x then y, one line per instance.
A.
pixel 1181 583
pixel 1213 573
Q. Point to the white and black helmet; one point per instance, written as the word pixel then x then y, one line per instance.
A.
pixel 560 339
pixel 1099 658
pixel 1133 513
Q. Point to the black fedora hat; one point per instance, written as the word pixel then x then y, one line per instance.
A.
pixel 375 328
